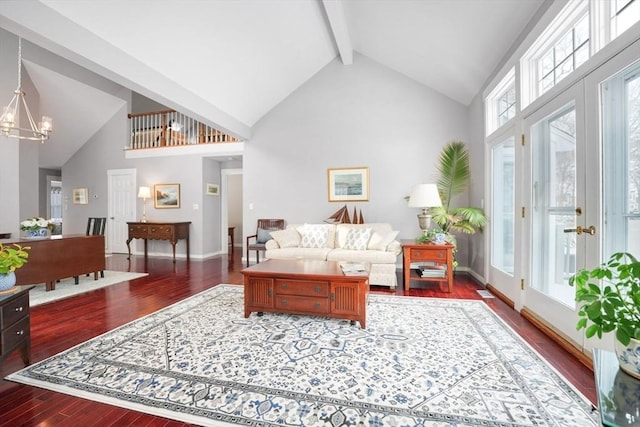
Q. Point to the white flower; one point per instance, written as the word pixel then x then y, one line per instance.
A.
pixel 36 223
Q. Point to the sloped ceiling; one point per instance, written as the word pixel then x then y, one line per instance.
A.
pixel 228 63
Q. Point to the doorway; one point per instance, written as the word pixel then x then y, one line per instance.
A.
pixel 231 209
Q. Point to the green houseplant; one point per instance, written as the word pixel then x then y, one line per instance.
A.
pixel 453 180
pixel 12 257
pixel 612 307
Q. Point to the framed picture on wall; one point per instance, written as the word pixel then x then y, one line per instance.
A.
pixel 213 189
pixel 166 196
pixel 80 196
pixel 348 184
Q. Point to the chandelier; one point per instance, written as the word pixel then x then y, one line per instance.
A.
pixel 8 126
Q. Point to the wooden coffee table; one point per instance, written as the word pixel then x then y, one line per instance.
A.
pixel 305 287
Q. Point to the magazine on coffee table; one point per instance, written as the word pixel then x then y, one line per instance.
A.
pixel 354 269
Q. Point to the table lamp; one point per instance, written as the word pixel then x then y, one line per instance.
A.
pixel 144 193
pixel 424 196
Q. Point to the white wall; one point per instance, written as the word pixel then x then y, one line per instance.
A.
pixel 359 115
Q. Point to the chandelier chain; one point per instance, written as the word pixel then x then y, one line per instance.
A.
pixel 20 63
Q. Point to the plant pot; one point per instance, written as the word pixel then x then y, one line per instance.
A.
pixel 7 281
pixel 629 357
pixel 40 233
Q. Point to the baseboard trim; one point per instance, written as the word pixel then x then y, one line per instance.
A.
pixel 502 297
pixel 555 336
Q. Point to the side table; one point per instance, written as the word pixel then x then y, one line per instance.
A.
pixel 15 327
pixel 429 253
pixel 617 391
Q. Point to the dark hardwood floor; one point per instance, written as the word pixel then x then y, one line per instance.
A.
pixel 60 325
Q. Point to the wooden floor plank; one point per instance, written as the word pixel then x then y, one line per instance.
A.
pixel 60 325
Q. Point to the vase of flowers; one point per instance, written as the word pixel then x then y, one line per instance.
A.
pixel 36 228
pixel 12 257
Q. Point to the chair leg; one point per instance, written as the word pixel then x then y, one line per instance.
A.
pixel 257 257
pixel 247 256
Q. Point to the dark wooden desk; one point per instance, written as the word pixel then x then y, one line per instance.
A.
pixel 172 231
pixel 58 257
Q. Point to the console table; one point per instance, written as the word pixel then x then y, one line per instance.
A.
pixel 58 257
pixel 311 287
pixel 15 329
pixel 429 253
pixel 171 231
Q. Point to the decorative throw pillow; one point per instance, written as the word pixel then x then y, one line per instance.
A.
pixel 357 239
pixel 288 238
pixel 380 241
pixel 263 235
pixel 314 236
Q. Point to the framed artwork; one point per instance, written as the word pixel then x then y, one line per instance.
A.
pixel 80 196
pixel 213 189
pixel 166 196
pixel 348 184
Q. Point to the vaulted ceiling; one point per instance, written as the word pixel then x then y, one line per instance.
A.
pixel 228 63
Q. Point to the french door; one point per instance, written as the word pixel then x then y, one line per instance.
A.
pixel 562 208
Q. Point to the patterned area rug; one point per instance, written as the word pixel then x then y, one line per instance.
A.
pixel 421 361
pixel 67 287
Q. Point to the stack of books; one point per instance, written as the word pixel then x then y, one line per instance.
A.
pixel 432 270
pixel 354 269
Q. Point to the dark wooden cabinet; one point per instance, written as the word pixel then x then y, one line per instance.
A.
pixel 15 329
pixel 171 231
pixel 305 287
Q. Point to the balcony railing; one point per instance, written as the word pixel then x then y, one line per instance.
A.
pixel 169 128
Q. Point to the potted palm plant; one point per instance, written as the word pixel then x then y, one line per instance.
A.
pixel 612 307
pixel 453 180
pixel 12 257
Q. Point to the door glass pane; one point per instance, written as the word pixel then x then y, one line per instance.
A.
pixel 502 209
pixel 633 164
pixel 553 205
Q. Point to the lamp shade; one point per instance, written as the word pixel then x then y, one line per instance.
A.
pixel 144 193
pixel 424 196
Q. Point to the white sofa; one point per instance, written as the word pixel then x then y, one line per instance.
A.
pixel 373 243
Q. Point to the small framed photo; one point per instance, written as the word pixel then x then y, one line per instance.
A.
pixel 348 184
pixel 213 189
pixel 80 196
pixel 166 196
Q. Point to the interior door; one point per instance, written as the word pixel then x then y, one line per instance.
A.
pixel 121 207
pixel 561 214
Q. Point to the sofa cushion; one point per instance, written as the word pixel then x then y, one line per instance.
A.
pixel 380 240
pixel 357 239
pixel 343 229
pixel 314 236
pixel 374 257
pixel 288 238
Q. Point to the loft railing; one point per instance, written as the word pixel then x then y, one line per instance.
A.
pixel 169 128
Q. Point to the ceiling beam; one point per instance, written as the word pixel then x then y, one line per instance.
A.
pixel 339 28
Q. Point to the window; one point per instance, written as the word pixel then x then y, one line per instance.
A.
pixel 503 206
pixel 559 50
pixel 501 103
pixel 621 137
pixel 623 14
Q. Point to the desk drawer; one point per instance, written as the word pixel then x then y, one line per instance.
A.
pixel 436 254
pixel 296 304
pixel 160 232
pixel 310 288
pixel 138 231
pixel 14 311
pixel 14 335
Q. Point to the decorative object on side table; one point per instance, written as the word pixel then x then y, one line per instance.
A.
pixel 12 257
pixel 36 228
pixel 144 193
pixel 613 307
pixel 425 197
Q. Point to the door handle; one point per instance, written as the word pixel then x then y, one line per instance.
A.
pixel 591 230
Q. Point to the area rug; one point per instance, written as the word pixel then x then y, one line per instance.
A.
pixel 421 361
pixel 67 287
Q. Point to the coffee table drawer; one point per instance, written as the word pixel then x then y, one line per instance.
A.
pixel 292 303
pixel 308 288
